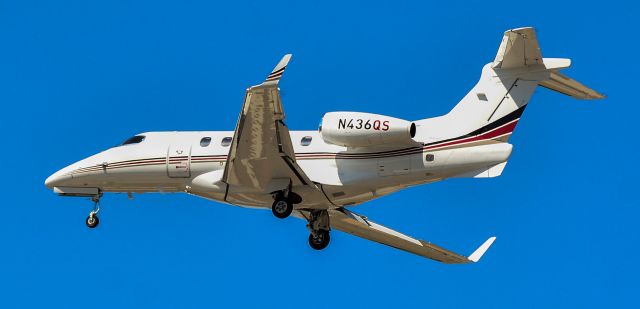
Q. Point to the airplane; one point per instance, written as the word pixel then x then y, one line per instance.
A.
pixel 353 157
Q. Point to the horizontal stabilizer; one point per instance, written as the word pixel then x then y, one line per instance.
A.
pixel 568 86
pixel 354 224
pixel 519 51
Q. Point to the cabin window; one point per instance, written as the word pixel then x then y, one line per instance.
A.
pixel 306 141
pixel 226 141
pixel 430 157
pixel 133 140
pixel 205 141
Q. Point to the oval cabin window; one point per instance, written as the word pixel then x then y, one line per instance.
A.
pixel 205 141
pixel 226 142
pixel 306 141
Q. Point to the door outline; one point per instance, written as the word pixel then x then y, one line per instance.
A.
pixel 179 166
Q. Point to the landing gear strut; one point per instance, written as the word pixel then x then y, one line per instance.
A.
pixel 319 227
pixel 92 220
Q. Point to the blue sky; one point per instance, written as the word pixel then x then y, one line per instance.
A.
pixel 77 77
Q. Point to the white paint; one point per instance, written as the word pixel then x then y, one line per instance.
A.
pixel 340 167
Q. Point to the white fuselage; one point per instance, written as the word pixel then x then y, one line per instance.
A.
pixel 183 162
pixel 353 157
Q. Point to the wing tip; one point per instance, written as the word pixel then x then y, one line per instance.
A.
pixel 521 29
pixel 476 255
pixel 597 96
pixel 282 63
pixel 277 72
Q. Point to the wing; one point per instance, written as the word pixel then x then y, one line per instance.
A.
pixel 261 157
pixel 354 224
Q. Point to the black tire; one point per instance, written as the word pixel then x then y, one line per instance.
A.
pixel 321 241
pixel 92 221
pixel 281 208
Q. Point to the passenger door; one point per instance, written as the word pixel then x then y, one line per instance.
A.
pixel 179 160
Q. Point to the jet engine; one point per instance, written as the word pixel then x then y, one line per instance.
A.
pixel 352 129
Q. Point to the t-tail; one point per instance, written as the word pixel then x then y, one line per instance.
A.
pixel 490 111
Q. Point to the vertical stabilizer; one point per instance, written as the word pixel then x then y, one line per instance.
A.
pixel 491 110
pixel 519 48
pixel 489 113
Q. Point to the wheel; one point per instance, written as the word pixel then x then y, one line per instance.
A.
pixel 281 208
pixel 320 241
pixel 92 220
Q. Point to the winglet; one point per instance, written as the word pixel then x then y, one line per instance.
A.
pixel 277 72
pixel 476 255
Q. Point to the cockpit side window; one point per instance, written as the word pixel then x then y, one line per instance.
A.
pixel 133 140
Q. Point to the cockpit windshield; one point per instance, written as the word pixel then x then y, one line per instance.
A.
pixel 133 140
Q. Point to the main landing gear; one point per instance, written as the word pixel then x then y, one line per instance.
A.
pixel 283 201
pixel 92 220
pixel 319 227
pixel 281 207
pixel 320 240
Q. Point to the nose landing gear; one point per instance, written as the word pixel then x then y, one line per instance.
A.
pixel 92 220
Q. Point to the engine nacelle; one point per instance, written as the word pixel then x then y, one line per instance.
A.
pixel 352 129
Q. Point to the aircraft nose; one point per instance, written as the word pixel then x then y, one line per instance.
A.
pixel 80 174
pixel 57 179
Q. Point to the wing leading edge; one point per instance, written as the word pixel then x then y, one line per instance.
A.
pixel 354 224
